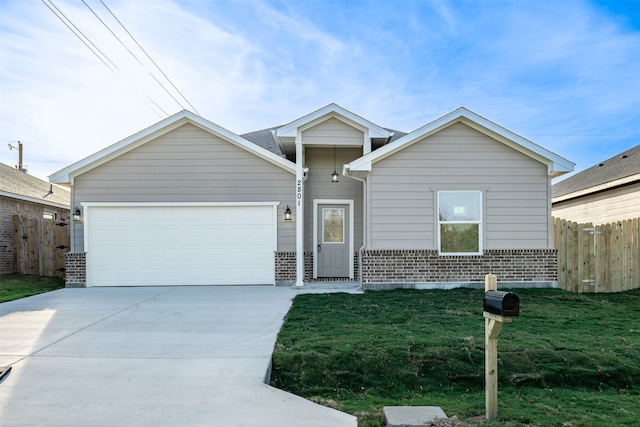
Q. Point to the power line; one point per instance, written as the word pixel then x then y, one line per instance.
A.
pixel 95 50
pixel 134 55
pixel 150 59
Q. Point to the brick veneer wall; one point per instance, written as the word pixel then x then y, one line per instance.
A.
pixel 425 266
pixel 76 274
pixel 286 267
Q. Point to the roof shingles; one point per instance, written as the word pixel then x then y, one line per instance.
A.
pixel 619 166
pixel 21 184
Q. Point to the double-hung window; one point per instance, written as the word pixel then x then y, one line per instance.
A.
pixel 460 222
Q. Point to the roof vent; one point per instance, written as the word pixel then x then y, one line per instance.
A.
pixel 601 164
pixel 624 156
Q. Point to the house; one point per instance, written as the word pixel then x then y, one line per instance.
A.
pixel 328 196
pixel 604 193
pixel 23 194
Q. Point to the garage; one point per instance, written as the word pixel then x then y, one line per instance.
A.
pixel 180 244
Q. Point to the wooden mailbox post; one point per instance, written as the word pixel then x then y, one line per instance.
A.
pixel 502 303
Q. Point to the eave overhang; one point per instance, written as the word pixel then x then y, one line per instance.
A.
pixel 622 182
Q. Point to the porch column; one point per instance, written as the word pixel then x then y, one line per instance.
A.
pixel 299 211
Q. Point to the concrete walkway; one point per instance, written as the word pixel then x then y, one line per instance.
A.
pixel 161 356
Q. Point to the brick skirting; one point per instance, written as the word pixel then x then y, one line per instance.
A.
pixel 76 273
pixel 389 267
pixel 286 267
pixel 426 266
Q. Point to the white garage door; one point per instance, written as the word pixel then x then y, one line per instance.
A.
pixel 180 245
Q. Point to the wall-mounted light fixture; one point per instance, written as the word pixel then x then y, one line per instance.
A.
pixel 287 214
pixel 334 175
pixel 76 214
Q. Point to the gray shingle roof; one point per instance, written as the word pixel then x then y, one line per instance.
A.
pixel 22 185
pixel 619 166
pixel 264 138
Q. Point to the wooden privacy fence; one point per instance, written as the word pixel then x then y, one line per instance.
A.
pixel 40 245
pixel 601 258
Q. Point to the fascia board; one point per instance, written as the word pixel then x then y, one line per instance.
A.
pixel 332 110
pixel 557 165
pixel 631 179
pixel 67 174
pixel 33 200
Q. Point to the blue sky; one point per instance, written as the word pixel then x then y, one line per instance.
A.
pixel 563 74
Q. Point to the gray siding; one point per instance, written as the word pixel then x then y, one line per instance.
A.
pixel 189 164
pixel 404 186
pixel 319 186
pixel 333 132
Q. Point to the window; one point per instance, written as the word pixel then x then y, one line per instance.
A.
pixel 333 225
pixel 49 215
pixel 460 222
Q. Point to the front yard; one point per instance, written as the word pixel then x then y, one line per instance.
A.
pixel 569 360
pixel 16 286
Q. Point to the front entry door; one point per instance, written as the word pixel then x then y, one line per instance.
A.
pixel 333 240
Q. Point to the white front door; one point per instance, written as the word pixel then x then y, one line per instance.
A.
pixel 333 242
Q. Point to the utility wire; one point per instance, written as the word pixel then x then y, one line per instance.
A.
pixel 150 59
pixel 133 55
pixel 95 50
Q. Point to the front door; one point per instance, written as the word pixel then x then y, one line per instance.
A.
pixel 333 240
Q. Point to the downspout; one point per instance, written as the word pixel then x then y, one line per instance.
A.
pixel 365 203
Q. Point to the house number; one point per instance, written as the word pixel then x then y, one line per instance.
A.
pixel 299 191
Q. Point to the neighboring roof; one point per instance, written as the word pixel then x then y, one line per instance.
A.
pixel 22 186
pixel 621 169
pixel 556 164
pixel 67 174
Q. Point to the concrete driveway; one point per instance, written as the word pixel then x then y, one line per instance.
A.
pixel 170 356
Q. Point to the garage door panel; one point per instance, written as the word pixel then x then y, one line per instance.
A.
pixel 172 245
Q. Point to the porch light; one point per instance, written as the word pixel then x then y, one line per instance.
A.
pixel 76 214
pixel 287 214
pixel 334 175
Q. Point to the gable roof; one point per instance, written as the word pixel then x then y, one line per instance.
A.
pixel 22 186
pixel 286 135
pixel 556 164
pixel 331 110
pixel 621 169
pixel 67 174
pixel 266 139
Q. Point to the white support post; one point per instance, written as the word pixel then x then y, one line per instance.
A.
pixel 299 212
pixel 491 329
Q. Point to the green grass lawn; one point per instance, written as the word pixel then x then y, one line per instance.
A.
pixel 568 360
pixel 16 286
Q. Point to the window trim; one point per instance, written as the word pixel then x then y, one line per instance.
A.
pixel 480 223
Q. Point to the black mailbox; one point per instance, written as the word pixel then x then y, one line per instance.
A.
pixel 502 303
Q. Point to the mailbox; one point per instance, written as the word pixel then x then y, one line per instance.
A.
pixel 502 303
